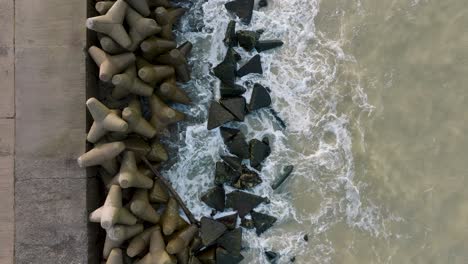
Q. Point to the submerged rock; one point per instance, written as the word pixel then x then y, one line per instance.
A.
pixel 263 45
pixel 233 162
pixel 230 221
pixel 243 202
pixel 230 38
pixel 215 198
pixel 260 98
pixel 241 8
pixel 218 116
pixel 306 238
pixel 287 170
pixel 225 174
pixel 248 179
pixel 231 241
pixel 272 257
pixel 259 151
pixel 254 65
pixel 236 106
pixel 224 257
pixel 228 133
pixel 229 91
pixel 263 3
pixel 262 222
pixel 238 146
pixel 247 39
pixel 210 230
pixel 276 116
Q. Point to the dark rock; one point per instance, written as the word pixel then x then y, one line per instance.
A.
pixel 247 223
pixel 228 91
pixel 260 98
pixel 238 146
pixel 230 38
pixel 247 39
pixel 210 230
pixel 234 162
pixel 236 106
pixel 293 259
pixel 259 151
pixel 263 3
pixel 215 198
pixel 272 257
pixel 276 116
pixel 185 48
pixel 225 174
pixel 241 8
pixel 262 222
pixel 231 241
pixel 230 221
pixel 263 45
pixel 254 65
pixel 226 70
pixel 248 179
pixel 218 116
pixel 306 238
pixel 228 133
pixel 196 244
pixel 243 202
pixel 194 260
pixel 224 257
pixel 287 170
pixel 208 256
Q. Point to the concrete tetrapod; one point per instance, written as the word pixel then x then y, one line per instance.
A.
pixel 136 123
pixel 171 220
pixel 157 253
pixel 170 91
pixel 115 256
pixel 140 28
pixel 166 18
pixel 128 83
pixel 111 24
pixel 109 45
pixel 176 59
pixel 157 153
pixel 140 206
pixel 103 6
pixel 158 193
pixel 110 65
pixel 129 176
pixel 105 120
pixel 140 242
pixel 163 115
pixel 155 74
pixel 141 6
pixel 181 240
pixel 153 46
pixel 100 154
pixel 112 212
pixel 157 3
pixel 117 235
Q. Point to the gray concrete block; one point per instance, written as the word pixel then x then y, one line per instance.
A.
pixel 51 221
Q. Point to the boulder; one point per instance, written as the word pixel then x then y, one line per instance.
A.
pixel 238 146
pixel 228 133
pixel 262 222
pixel 225 174
pixel 236 106
pixel 260 98
pixel 230 38
pixel 218 116
pixel 224 257
pixel 247 223
pixel 233 162
pixel 243 202
pixel 272 257
pixel 215 198
pixel 287 170
pixel 241 8
pixel 231 241
pixel 262 3
pixel 226 70
pixel 207 256
pixel 210 230
pixel 248 179
pixel 230 221
pixel 229 91
pixel 247 39
pixel 259 151
pixel 263 45
pixel 254 65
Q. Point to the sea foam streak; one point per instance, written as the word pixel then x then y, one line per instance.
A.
pixel 317 141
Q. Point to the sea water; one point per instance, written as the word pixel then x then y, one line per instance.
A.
pixel 373 93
